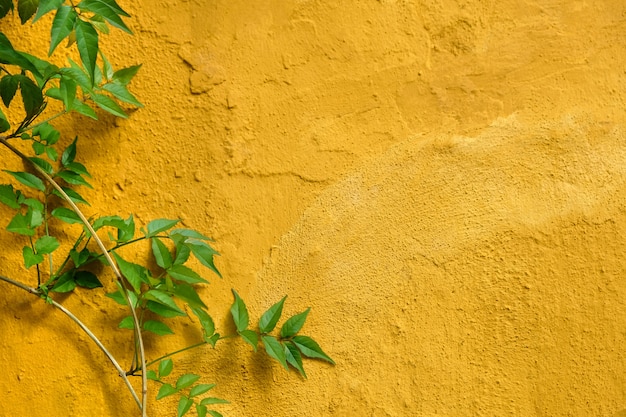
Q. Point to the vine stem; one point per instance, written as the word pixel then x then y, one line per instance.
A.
pixel 89 333
pixel 109 259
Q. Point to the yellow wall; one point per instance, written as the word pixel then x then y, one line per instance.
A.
pixel 443 182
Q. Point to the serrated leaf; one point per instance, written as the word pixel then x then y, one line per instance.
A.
pixel 66 215
pixel 46 6
pixel 62 26
pixel 127 323
pixel 165 391
pixel 186 274
pixel 239 312
pixel 87 42
pixel 8 88
pixel 213 400
pixel 26 9
pixel 182 253
pixel 31 258
pixel 46 244
pixel 250 337
pixel 271 316
pixel 188 294
pixel 87 279
pixel 28 179
pixel 65 283
pixel 200 389
pixel 125 75
pixel 121 93
pixel 184 404
pixel 161 253
pixel 5 7
pixel 157 327
pixel 186 380
pixel 294 358
pixel 32 97
pixel 108 105
pixel 208 326
pixel 275 349
pixel 160 225
pixel 294 324
pixel 132 272
pixel 20 224
pixel 161 297
pixel 43 164
pixel 107 11
pixel 203 253
pixel 165 367
pixel 8 196
pixel 309 348
pixel 72 178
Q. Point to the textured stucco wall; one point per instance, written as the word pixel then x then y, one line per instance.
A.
pixel 443 182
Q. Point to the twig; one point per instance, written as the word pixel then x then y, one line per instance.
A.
pixel 89 333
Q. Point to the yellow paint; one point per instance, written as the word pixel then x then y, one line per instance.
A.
pixel 441 181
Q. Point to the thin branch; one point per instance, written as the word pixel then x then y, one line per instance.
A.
pixel 89 333
pixel 112 264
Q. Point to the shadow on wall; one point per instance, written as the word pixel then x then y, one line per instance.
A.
pixel 468 276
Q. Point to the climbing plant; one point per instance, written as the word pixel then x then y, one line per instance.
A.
pixel 60 243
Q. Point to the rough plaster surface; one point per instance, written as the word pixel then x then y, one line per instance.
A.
pixel 441 181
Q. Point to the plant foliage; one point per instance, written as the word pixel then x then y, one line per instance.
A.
pixel 60 245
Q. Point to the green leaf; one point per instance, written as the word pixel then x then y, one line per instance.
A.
pixel 188 294
pixel 120 92
pixel 213 339
pixel 294 324
pixel 215 413
pixel 240 313
pixel 151 375
pixel 201 410
pixel 161 253
pixel 274 348
pixel 73 195
pixel 108 105
pixel 79 258
pixel 78 168
pixel 8 55
pixel 87 279
pixel 294 358
pixel 213 400
pixel 43 164
pixel 52 153
pixel 20 224
pixel 200 389
pixel 163 310
pixel 250 337
pixel 47 133
pixel 125 75
pixel 26 9
pixel 65 283
pixel 183 273
pixel 186 380
pixel 4 123
pixel 85 110
pixel 165 391
pixel 106 10
pixel 46 244
pixel 160 225
pixel 208 326
pixel 157 327
pixel 8 88
pixel 310 348
pixel 46 6
pixel 184 404
pixel 99 23
pixel 165 367
pixel 72 178
pixel 69 153
pixel 62 26
pixel 28 179
pixel 31 258
pixel 161 297
pixel 67 92
pixel 182 252
pixel 9 196
pixel 127 323
pixel 204 253
pixel 66 215
pixel 132 272
pixel 31 95
pixel 5 7
pixel 188 233
pixel 87 42
pixel 271 316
